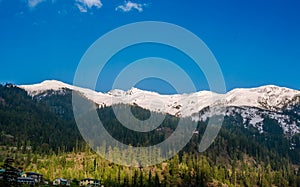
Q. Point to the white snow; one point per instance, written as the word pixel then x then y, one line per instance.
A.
pixel 180 105
pixel 265 97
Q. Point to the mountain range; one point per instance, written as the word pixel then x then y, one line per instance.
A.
pixel 262 123
pixel 253 105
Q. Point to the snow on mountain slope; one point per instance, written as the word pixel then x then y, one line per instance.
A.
pixel 264 97
pixel 255 117
pixel 271 98
pixel 57 86
pixel 179 105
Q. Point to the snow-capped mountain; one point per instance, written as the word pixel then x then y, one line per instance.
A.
pixel 271 98
pixel 252 104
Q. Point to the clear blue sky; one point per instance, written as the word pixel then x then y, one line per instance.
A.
pixel 255 42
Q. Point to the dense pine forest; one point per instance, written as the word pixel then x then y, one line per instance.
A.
pixel 40 134
pixel 185 169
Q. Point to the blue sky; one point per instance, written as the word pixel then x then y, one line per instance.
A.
pixel 255 42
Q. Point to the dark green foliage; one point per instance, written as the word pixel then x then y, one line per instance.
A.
pixel 127 136
pixel 32 124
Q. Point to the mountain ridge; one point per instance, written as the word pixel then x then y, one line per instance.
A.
pixel 269 97
pixel 60 84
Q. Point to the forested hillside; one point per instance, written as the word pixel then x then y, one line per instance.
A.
pixel 28 122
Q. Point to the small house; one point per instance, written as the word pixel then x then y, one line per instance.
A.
pixel 25 180
pixel 89 182
pixel 61 182
pixel 38 178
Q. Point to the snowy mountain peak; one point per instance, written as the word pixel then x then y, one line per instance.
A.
pixel 132 91
pixel 55 85
pixel 52 84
